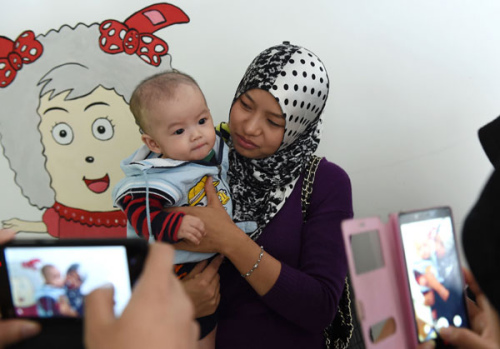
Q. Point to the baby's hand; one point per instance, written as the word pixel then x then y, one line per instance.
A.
pixel 191 229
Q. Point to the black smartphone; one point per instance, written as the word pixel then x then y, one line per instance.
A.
pixel 434 272
pixel 47 280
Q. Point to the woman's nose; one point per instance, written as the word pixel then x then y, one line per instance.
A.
pixel 89 159
pixel 252 125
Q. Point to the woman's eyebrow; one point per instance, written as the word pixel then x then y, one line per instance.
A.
pixel 280 115
pixel 54 108
pixel 246 95
pixel 94 104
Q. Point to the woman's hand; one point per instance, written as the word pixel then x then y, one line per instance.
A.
pixel 13 331
pixel 159 314
pixel 202 286
pixel 484 321
pixel 219 227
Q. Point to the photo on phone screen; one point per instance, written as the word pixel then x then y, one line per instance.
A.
pixel 434 272
pixel 52 281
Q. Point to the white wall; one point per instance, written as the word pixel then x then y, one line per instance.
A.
pixel 411 82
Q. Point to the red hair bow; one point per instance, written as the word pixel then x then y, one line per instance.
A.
pixel 26 49
pixel 135 34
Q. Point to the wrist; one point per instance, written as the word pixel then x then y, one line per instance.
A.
pixel 239 242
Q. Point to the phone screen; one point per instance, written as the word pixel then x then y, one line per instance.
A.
pixel 434 272
pixel 52 281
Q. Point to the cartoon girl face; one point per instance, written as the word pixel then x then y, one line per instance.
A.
pixel 84 141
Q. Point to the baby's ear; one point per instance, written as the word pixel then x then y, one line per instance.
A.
pixel 150 143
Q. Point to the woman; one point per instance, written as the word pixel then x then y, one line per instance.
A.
pixel 280 285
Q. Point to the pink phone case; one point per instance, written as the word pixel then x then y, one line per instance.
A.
pixel 383 293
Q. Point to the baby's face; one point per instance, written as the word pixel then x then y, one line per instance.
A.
pixel 73 279
pixel 53 277
pixel 181 128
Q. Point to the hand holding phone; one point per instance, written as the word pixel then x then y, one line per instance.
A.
pixel 48 279
pixel 433 271
pixel 406 276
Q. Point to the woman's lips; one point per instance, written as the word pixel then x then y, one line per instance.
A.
pixel 245 143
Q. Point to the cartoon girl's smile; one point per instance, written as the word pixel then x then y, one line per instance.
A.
pixel 99 185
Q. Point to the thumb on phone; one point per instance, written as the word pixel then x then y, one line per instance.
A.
pixel 98 311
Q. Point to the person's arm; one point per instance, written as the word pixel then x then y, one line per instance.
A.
pixel 159 314
pixel 164 225
pixel 308 294
pixel 434 283
pixel 19 225
pixel 224 237
pixel 315 286
pixel 15 330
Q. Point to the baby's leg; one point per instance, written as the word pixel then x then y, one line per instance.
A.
pixel 208 342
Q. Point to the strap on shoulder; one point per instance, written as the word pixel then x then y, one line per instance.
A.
pixel 307 184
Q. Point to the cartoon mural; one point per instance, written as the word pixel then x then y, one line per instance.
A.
pixel 65 123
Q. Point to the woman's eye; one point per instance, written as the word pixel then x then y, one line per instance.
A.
pixel 179 131
pixel 244 105
pixel 103 129
pixel 276 123
pixel 62 133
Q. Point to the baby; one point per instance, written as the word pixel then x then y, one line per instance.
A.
pixel 51 297
pixel 181 149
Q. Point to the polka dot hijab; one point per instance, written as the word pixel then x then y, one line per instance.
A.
pixel 299 82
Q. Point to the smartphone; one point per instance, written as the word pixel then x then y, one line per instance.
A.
pixel 433 271
pixel 47 280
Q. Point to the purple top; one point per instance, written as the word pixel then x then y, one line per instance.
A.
pixel 304 299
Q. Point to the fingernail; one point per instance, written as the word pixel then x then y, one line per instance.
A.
pixel 106 286
pixel 30 329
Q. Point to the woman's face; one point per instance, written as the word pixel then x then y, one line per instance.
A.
pixel 257 124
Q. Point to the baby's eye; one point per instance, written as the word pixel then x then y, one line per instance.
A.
pixel 179 131
pixel 202 121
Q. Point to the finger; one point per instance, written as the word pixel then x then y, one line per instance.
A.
pixel 212 198
pixel 211 270
pixel 472 308
pixel 13 331
pixel 99 309
pixel 6 235
pixel 471 281
pixel 197 226
pixel 158 261
pixel 427 345
pixel 461 337
pixel 193 238
pixel 217 293
pixel 198 268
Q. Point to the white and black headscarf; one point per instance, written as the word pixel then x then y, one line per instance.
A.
pixel 298 80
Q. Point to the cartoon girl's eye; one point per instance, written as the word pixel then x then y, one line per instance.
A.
pixel 62 133
pixel 103 129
